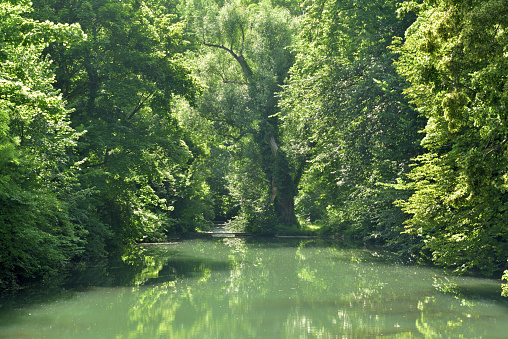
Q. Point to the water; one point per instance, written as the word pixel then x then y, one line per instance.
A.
pixel 241 288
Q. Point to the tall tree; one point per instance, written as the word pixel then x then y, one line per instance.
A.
pixel 455 58
pixel 344 110
pixel 121 82
pixel 243 61
pixel 37 233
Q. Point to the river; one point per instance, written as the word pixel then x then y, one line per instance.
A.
pixel 250 288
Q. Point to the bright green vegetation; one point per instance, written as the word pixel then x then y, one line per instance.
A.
pixel 237 288
pixel 131 121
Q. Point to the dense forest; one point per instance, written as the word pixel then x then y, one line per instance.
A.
pixel 382 121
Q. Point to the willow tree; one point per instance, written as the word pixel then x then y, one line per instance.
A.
pixel 243 60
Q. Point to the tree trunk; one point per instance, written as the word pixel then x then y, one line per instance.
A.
pixel 283 186
pixel 286 208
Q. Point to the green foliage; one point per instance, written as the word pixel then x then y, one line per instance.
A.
pixel 37 233
pixel 135 120
pixel 243 60
pixel 345 114
pixel 121 83
pixel 454 59
pixel 131 175
pixel 505 286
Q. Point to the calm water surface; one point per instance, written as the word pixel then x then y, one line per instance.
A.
pixel 241 288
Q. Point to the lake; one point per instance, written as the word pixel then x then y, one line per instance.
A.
pixel 251 288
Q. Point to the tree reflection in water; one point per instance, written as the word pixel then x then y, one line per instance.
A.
pixel 245 288
pixel 232 288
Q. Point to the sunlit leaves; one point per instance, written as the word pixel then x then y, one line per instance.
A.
pixel 243 60
pixel 505 286
pixel 122 82
pixel 454 59
pixel 344 110
pixel 37 232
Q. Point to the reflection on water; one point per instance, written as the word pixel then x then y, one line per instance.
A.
pixel 242 288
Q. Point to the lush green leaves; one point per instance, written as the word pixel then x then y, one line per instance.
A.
pixel 121 82
pixel 344 111
pixel 243 60
pixel 36 188
pixel 131 166
pixel 114 128
pixel 455 60
pixel 505 286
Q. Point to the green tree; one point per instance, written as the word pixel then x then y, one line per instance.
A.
pixel 121 83
pixel 344 112
pixel 455 58
pixel 243 60
pixel 37 234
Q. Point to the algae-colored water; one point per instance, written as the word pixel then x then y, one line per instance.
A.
pixel 243 288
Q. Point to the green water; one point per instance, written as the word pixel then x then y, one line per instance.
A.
pixel 241 288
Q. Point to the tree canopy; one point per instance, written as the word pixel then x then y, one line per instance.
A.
pixel 36 184
pixel 455 62
pixel 345 112
pixel 243 59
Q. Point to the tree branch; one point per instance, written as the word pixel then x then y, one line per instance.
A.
pixel 497 148
pixel 273 146
pixel 239 58
pixel 467 87
pixel 140 105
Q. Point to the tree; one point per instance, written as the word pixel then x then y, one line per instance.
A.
pixel 343 110
pixel 454 57
pixel 37 234
pixel 243 61
pixel 121 83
